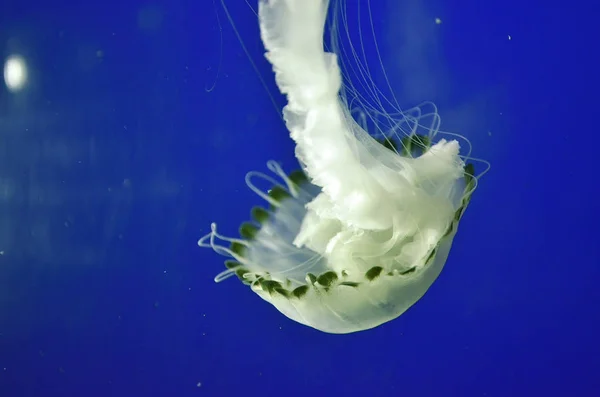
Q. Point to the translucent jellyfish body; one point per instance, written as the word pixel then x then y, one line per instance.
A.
pixel 360 233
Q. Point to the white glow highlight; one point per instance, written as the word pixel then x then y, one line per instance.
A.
pixel 15 73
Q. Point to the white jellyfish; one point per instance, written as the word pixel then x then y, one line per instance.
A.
pixel 362 231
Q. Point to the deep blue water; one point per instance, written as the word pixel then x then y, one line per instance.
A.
pixel 135 131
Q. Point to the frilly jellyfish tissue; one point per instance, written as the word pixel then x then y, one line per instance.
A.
pixel 359 234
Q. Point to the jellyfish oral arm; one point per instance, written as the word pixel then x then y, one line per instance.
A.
pixel 292 32
pixel 357 191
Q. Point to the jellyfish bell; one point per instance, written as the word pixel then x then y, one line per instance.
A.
pixel 360 233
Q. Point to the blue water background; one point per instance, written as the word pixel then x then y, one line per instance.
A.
pixel 139 124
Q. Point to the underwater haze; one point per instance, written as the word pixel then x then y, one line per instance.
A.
pixel 126 128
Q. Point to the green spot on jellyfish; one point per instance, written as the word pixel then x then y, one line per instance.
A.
pixel 390 144
pixel 469 175
pixel 237 248
pixel 409 271
pixel 311 277
pixel 260 214
pixel 431 255
pixel 270 285
pixel 298 177
pixel 278 193
pixel 300 291
pixel 449 230
pixel 248 230
pixel 373 273
pixel 458 214
pixel 231 264
pixel 415 145
pixel 327 278
pixel 284 292
pixel 240 273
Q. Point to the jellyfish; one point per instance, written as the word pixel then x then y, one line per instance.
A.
pixel 360 232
